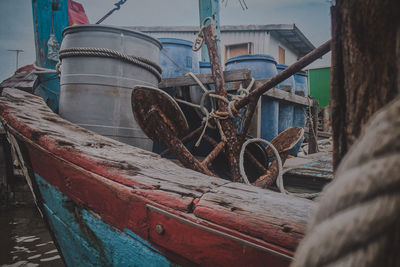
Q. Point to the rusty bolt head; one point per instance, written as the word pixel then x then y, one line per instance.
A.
pixel 159 229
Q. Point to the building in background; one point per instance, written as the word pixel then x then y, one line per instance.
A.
pixel 319 85
pixel 285 42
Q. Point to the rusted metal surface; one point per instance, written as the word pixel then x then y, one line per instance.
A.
pixel 283 143
pixel 232 145
pixel 185 139
pixel 160 117
pixel 148 100
pixel 213 154
pixel 248 117
pixel 163 122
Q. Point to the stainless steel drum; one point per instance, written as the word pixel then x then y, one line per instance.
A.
pixel 96 87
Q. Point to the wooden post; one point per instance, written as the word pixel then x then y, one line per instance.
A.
pixel 365 56
pixel 313 128
pixel 209 8
pixel 325 119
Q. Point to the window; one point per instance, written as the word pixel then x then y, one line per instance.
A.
pixel 237 50
pixel 281 56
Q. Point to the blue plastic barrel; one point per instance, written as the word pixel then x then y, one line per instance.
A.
pixel 299 116
pixel 262 67
pixel 194 121
pixel 301 87
pixel 177 57
pixel 196 92
pixel 285 109
pixel 205 67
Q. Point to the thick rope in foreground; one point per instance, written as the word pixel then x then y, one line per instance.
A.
pixel 357 222
pixel 149 65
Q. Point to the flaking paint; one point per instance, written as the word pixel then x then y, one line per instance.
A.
pixel 85 240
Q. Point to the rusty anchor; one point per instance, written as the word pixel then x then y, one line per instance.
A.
pixel 284 142
pixel 162 120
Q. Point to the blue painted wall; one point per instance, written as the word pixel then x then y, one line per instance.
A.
pixel 85 240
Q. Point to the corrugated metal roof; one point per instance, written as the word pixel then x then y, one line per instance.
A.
pixel 288 34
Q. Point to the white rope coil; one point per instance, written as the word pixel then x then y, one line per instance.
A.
pixel 274 150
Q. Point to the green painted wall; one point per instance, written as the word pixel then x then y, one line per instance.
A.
pixel 319 83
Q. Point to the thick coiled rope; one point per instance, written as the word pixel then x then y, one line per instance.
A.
pixel 145 63
pixel 357 222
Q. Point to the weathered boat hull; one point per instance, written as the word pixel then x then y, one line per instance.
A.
pixel 110 204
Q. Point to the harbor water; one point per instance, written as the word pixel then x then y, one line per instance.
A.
pixel 24 238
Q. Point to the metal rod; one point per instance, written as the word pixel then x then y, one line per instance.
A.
pixel 207 161
pixel 17 51
pixel 289 71
pixel 185 139
pixel 117 7
pixel 177 147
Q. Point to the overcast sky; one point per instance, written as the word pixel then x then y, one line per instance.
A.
pixel 312 17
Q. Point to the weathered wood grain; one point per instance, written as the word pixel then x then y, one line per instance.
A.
pixel 205 78
pixel 117 181
pixel 124 164
pixel 270 216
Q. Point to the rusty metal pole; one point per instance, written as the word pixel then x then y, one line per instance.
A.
pixel 232 147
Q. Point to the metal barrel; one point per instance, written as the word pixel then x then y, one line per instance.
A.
pixel 262 67
pixel 285 109
pixel 96 90
pixel 299 115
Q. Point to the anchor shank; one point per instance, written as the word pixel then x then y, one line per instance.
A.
pixel 177 147
pixel 232 144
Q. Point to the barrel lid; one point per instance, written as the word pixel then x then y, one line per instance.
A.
pixel 175 41
pixel 302 73
pixel 251 57
pixel 281 66
pixel 113 29
pixel 205 64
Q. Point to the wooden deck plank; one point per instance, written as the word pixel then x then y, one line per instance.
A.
pixel 122 163
pixel 132 172
pixel 205 78
pixel 276 93
pixel 270 216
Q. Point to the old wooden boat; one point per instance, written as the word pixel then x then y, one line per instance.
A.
pixel 108 203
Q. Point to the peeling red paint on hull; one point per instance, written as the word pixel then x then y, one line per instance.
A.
pixel 204 220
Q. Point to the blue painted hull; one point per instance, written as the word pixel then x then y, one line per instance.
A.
pixel 85 240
